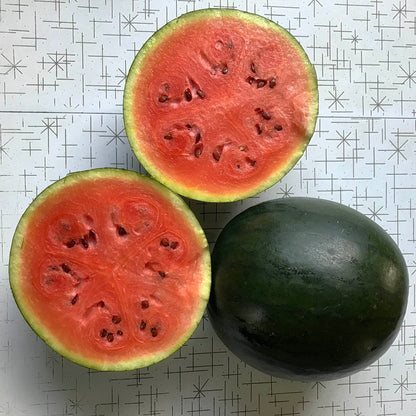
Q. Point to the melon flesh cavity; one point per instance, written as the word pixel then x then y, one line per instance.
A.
pixel 220 104
pixel 104 275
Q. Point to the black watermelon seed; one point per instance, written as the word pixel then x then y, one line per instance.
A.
pixel 110 337
pixel 164 242
pixel 142 325
pixel 162 274
pixel 259 130
pixel 173 245
pixel 188 95
pixel 225 70
pixel 163 98
pixel 103 333
pixel 74 299
pixel 101 304
pixel 198 151
pixel 65 268
pixel 197 137
pixel 251 162
pixel 168 136
pixel 91 236
pixel 84 242
pixel 144 304
pixel 266 115
pixel 154 332
pixel 216 155
pixel 121 230
pixel 278 127
pixel 261 83
pixel 116 319
pixel 253 68
pixel 71 243
pixel 272 83
pixel 119 332
pixel 250 80
pixel 200 93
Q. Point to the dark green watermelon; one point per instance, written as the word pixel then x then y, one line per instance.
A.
pixel 305 288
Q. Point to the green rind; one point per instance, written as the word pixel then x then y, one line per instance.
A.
pixel 307 289
pixel 138 66
pixel 30 315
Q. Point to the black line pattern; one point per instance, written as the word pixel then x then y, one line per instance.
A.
pixel 63 64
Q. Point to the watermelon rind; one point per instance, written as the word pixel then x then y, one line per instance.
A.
pixel 134 131
pixel 16 261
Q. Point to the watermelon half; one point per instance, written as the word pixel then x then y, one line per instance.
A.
pixel 220 104
pixel 111 269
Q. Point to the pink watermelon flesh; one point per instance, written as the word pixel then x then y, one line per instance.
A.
pixel 111 270
pixel 219 105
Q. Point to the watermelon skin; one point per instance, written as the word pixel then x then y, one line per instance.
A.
pixel 307 289
pixel 102 269
pixel 241 137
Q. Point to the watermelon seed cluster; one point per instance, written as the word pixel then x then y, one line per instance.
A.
pixel 260 82
pixel 153 330
pixel 188 94
pixel 143 324
pixel 115 319
pixel 85 240
pixel 144 303
pixel 76 280
pixel 109 335
pixel 166 243
pixel 266 116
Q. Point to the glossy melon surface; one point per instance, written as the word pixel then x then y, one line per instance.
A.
pixel 307 289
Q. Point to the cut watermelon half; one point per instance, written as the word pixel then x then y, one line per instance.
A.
pixel 111 269
pixel 220 104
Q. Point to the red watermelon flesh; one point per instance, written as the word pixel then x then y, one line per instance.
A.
pixel 111 269
pixel 220 104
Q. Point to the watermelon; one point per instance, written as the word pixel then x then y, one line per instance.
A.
pixel 220 104
pixel 101 272
pixel 307 289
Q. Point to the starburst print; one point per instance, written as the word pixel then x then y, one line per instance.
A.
pixel 12 65
pixel 400 10
pixel 336 99
pixel 129 22
pixel 408 76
